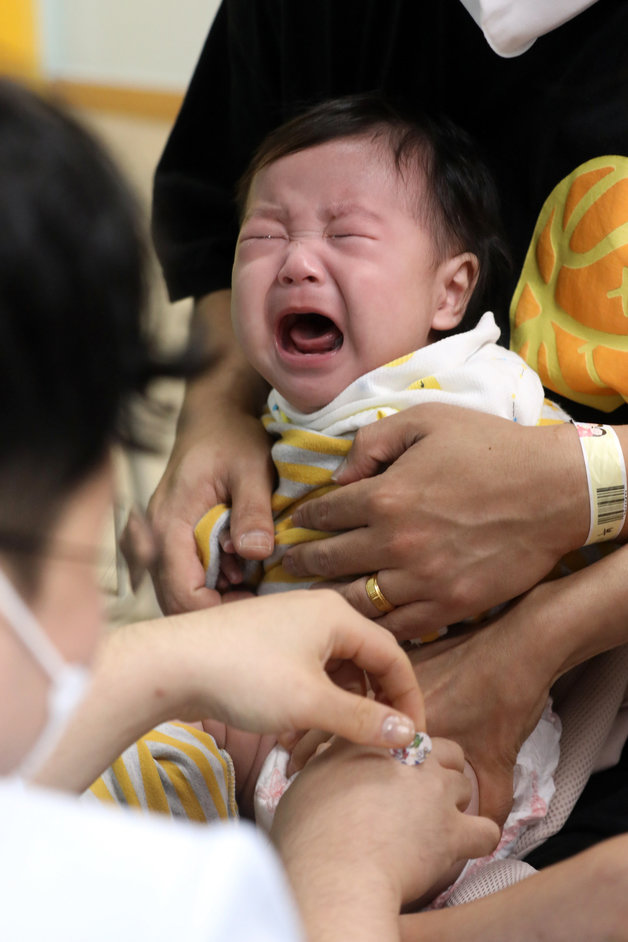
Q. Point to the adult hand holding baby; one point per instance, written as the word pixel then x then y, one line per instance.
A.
pixel 221 456
pixel 290 650
pixel 456 521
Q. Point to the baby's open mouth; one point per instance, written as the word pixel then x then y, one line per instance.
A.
pixel 309 333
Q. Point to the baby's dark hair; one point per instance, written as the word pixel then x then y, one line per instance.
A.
pixel 72 299
pixel 459 202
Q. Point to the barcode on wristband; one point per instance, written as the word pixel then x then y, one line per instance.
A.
pixel 610 502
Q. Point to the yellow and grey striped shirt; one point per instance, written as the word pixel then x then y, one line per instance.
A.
pixel 467 369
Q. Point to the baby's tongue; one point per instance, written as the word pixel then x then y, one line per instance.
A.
pixel 315 333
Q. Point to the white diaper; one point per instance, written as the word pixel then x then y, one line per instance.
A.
pixel 271 784
pixel 533 789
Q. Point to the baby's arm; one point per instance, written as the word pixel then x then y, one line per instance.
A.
pixel 247 751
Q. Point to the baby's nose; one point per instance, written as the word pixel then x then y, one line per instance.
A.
pixel 301 263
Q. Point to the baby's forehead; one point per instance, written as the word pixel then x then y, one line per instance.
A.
pixel 378 147
pixel 371 152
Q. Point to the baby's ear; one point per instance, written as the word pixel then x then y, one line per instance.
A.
pixel 458 277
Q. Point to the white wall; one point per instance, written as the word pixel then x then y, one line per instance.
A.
pixel 133 43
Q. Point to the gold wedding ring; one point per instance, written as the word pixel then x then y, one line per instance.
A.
pixel 376 595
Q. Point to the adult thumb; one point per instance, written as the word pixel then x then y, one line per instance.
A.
pixel 252 530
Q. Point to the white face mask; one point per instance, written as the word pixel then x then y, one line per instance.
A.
pixel 68 682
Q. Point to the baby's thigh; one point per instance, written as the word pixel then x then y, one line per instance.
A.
pixel 247 752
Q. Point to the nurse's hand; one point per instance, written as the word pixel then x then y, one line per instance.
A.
pixel 456 511
pixel 295 661
pixel 279 664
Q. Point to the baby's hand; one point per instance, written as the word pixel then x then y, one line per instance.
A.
pixel 230 563
pixel 231 571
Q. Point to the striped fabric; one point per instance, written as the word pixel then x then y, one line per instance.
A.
pixel 175 770
pixel 467 369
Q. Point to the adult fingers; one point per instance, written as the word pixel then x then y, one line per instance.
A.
pixel 362 720
pixel 178 575
pixel 376 446
pixel 423 621
pixel 372 649
pixel 477 839
pixel 450 757
pixel 317 702
pixel 302 745
pixel 252 529
pixel 346 554
pixel 347 675
pixel 342 509
pixel 418 621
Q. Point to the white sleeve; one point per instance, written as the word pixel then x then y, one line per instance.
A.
pixel 71 872
pixel 510 27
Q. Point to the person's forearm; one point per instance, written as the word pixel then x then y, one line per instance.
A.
pixel 581 615
pixel 139 681
pixel 340 903
pixel 240 664
pixel 360 834
pixel 331 849
pixel 229 377
pixel 581 898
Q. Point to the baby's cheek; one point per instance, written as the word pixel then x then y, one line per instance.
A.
pixel 474 804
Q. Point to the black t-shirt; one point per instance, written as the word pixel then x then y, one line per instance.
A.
pixel 535 117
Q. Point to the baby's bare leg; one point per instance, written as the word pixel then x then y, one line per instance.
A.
pixel 247 751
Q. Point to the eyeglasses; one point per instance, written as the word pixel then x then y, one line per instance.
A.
pixel 120 561
pixel 107 560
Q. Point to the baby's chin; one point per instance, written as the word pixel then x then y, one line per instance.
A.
pixel 310 401
pixel 309 391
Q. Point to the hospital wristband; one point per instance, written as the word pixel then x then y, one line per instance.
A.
pixel 606 479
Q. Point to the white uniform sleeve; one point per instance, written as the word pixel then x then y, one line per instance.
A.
pixel 73 872
pixel 510 27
